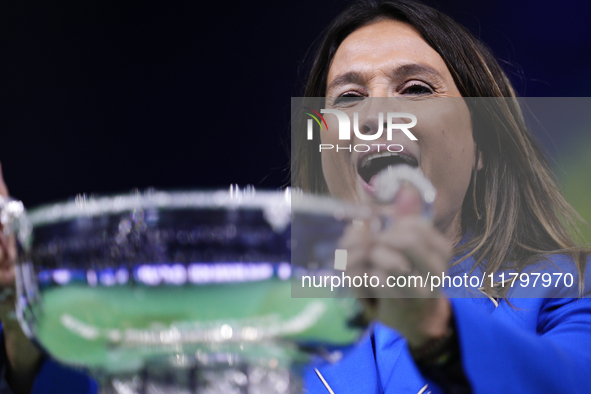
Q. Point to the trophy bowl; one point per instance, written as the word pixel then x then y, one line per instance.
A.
pixel 174 292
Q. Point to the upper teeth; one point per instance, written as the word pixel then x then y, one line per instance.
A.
pixel 372 156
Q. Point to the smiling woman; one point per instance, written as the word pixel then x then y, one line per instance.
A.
pixel 498 210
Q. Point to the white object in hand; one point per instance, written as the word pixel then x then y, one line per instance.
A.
pixel 389 180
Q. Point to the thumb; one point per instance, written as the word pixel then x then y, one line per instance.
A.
pixel 408 201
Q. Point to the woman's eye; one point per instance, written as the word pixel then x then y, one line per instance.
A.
pixel 417 88
pixel 348 98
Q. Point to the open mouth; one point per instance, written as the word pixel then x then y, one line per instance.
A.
pixel 373 163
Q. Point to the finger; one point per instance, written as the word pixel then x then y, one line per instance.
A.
pixel 419 241
pixel 3 188
pixel 357 259
pixel 7 278
pixel 360 284
pixel 6 249
pixel 389 260
pixel 6 263
pixel 424 260
pixel 388 285
pixel 354 235
pixel 421 262
pixel 357 243
pixel 401 286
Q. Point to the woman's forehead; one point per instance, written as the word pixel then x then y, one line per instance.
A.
pixel 382 47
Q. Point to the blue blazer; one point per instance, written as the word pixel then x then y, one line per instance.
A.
pixel 536 345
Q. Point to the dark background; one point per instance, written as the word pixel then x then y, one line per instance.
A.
pixel 102 97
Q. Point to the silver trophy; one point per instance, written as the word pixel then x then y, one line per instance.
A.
pixel 184 292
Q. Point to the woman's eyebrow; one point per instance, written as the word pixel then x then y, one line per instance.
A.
pixel 400 72
pixel 408 70
pixel 352 77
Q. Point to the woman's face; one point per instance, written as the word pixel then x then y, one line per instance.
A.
pixel 390 59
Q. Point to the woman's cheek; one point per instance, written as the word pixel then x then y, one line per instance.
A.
pixel 337 177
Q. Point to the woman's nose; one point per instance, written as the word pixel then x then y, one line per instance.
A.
pixel 372 126
pixel 369 124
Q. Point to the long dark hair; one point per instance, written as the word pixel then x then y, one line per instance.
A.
pixel 513 208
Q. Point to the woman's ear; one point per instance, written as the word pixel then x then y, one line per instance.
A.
pixel 478 163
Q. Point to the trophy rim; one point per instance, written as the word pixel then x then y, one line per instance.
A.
pixel 98 205
pixel 287 201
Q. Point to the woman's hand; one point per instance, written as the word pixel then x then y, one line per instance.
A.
pixel 7 258
pixel 409 246
pixel 23 357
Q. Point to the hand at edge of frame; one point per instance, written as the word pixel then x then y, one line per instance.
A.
pixel 24 358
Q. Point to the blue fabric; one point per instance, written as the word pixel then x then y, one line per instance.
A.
pixel 55 378
pixel 534 345
pixel 52 377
